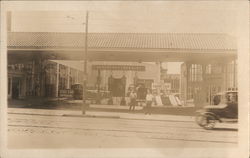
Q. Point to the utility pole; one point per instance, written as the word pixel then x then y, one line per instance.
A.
pixel 84 97
pixel 234 74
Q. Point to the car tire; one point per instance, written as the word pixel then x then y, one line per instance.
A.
pixel 206 121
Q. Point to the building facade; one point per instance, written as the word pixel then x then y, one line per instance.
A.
pixel 54 78
pixel 200 82
pixel 35 66
pixel 174 82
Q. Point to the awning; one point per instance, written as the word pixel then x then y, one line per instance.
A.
pixel 75 64
pixel 129 66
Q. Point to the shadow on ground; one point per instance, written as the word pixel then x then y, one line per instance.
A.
pixel 225 129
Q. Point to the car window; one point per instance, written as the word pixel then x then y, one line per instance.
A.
pixel 217 99
pixel 232 97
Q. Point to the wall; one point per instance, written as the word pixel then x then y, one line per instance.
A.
pixel 152 71
pixel 216 77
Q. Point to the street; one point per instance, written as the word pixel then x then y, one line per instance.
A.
pixel 27 130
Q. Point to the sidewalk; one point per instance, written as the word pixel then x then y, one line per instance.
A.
pixel 75 105
pixel 132 116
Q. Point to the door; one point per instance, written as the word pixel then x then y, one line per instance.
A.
pixel 9 87
pixel 15 87
pixel 118 88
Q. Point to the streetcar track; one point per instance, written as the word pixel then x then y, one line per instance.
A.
pixel 125 125
pixel 144 120
pixel 122 124
pixel 116 130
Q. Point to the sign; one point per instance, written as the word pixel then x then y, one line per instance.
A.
pixel 118 67
pixel 65 93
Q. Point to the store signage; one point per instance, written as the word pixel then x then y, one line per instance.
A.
pixel 65 92
pixel 119 67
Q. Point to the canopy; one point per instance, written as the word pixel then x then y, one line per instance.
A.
pixel 137 47
pixel 75 64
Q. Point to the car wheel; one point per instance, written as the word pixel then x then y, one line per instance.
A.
pixel 206 121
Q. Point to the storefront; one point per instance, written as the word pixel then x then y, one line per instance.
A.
pixel 200 82
pixel 16 81
pixel 115 77
pixel 50 68
pixel 120 76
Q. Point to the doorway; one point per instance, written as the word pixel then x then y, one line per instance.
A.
pixel 15 87
pixel 118 87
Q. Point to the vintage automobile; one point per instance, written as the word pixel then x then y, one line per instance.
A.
pixel 224 109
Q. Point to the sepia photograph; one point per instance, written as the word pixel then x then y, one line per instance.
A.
pixel 125 75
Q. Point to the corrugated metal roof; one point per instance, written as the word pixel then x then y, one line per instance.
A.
pixel 123 40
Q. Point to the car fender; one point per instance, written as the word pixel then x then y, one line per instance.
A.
pixel 209 113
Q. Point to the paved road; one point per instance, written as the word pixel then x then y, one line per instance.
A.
pixel 45 131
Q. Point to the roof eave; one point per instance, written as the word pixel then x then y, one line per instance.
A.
pixel 173 50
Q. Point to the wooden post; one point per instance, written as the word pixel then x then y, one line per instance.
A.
pixel 57 80
pixel 234 74
pixel 203 85
pixel 187 83
pixel 98 80
pixel 68 77
pixel 226 76
pixel 33 78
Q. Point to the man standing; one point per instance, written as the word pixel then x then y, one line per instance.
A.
pixel 133 97
pixel 149 100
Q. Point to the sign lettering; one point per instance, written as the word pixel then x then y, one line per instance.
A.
pixel 118 67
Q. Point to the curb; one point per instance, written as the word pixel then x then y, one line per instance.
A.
pixel 22 113
pixel 92 116
pixel 145 119
pixel 102 116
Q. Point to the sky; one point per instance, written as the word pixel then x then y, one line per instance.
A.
pixel 133 17
pixel 153 17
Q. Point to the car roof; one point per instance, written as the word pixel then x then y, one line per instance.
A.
pixel 221 93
